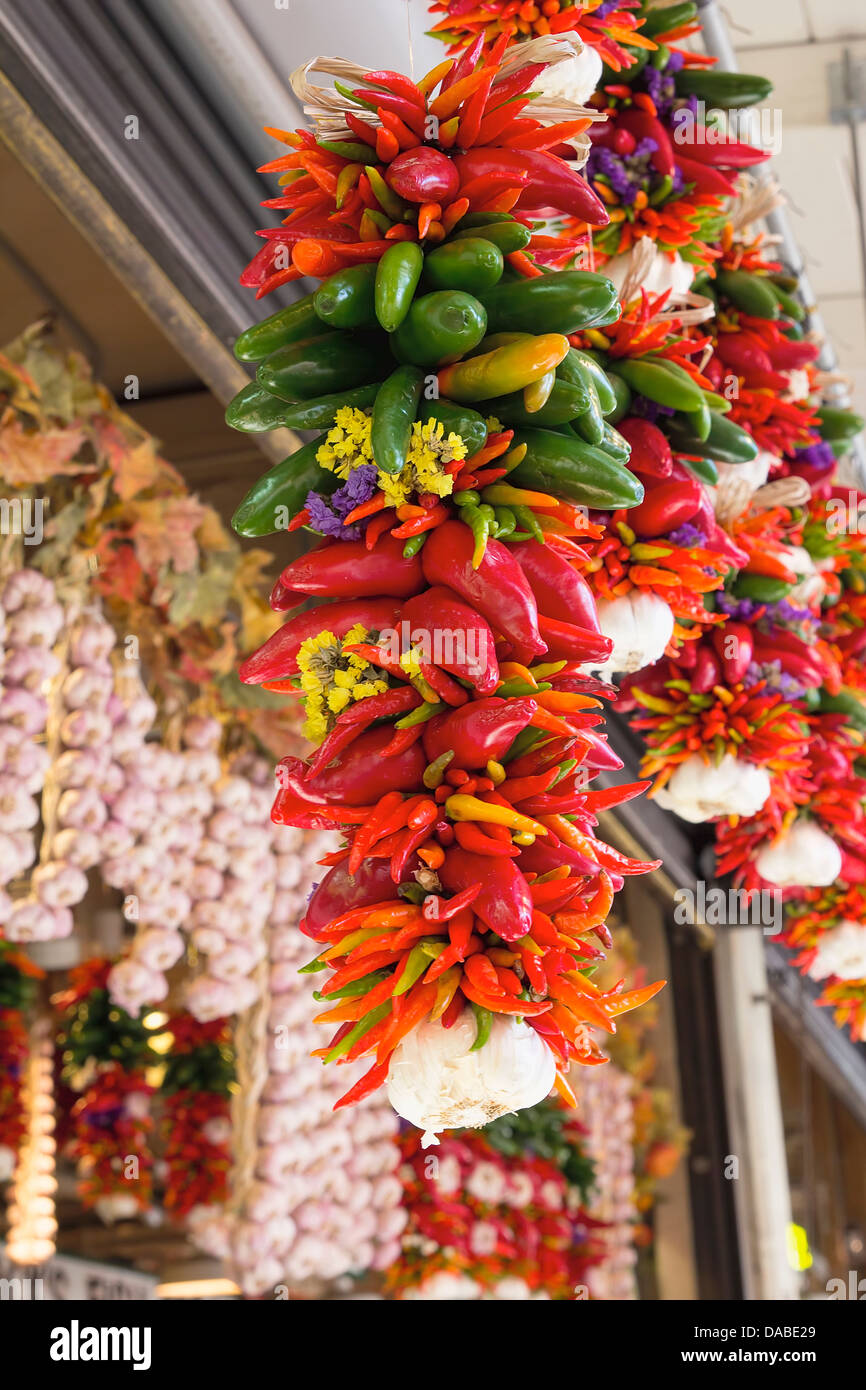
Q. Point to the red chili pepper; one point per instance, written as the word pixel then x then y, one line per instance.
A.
pixel 360 777
pixel 478 732
pixel 454 1010
pixel 497 588
pixel 650 451
pixel 503 902
pixel 348 570
pixel 278 656
pixel 569 643
pixel 734 647
pixel 705 178
pixel 706 146
pixel 453 635
pixel 666 506
pixel 370 1081
pixel 560 590
pixel 504 1003
pixel 472 838
pixel 551 182
pixel 352 721
pixel 438 909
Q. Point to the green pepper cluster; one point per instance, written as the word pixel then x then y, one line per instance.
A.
pixel 420 336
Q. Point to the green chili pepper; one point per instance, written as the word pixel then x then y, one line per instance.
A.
pixel 320 414
pixel 662 192
pixel 483 1024
pixel 662 21
pixel 565 402
pixel 480 219
pixel 361 1027
pixel 649 379
pixel 701 420
pixel 724 91
pixel 388 200
pixel 748 292
pixel 456 419
pixel 397 276
pixel 439 328
pixel 345 300
pixel 562 301
pixel 660 58
pixel 255 410
pixel 508 236
pixel 471 264
pixel 581 369
pixel 421 714
pixel 434 773
pixel 590 425
pixel 393 417
pixel 760 587
pixel 614 444
pixel 506 522
pixel 414 544
pixel 726 441
pixel 789 305
pixel 289 325
pixel 416 963
pixel 527 519
pixel 574 470
pixel 623 398
pixel 283 489
pixel 702 468
pixel 468 497
pixel 525 740
pixel 837 425
pixel 355 987
pixel 479 525
pixel 320 366
pixel 349 149
pixel 313 966
pixel 412 892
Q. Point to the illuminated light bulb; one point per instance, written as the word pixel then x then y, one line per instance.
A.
pixel 32 1223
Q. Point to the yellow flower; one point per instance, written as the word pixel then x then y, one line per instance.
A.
pixel 348 445
pixel 332 679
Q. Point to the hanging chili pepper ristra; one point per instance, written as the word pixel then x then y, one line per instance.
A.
pixel 442 672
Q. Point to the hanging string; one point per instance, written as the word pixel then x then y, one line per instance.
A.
pixel 409 39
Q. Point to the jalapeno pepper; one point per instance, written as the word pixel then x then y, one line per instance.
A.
pixel 562 301
pixel 256 410
pixel 456 419
pixel 497 588
pixel 726 442
pixel 565 402
pixel 472 264
pixel 345 300
pixel 283 490
pixel 289 325
pixel 321 412
pixel 579 368
pixel 439 327
pixel 320 366
pixel 572 469
pixel 393 416
pixel 397 275
pixel 509 235
pixel 652 380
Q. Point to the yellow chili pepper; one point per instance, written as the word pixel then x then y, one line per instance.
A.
pixel 504 495
pixel 536 394
pixel 446 988
pixel 461 807
pixel 496 772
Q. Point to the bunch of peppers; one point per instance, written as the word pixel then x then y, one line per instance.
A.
pixel 755 669
pixel 105 1056
pixel 443 670
pixel 490 1210
pixel 18 977
pixel 605 25
pixel 194 1120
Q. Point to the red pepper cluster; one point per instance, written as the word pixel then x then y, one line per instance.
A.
pixel 194 1121
pixel 476 1213
pixel 395 177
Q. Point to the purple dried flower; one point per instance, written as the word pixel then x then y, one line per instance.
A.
pixel 687 536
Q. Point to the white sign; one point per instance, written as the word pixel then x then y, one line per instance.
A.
pixel 67 1278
